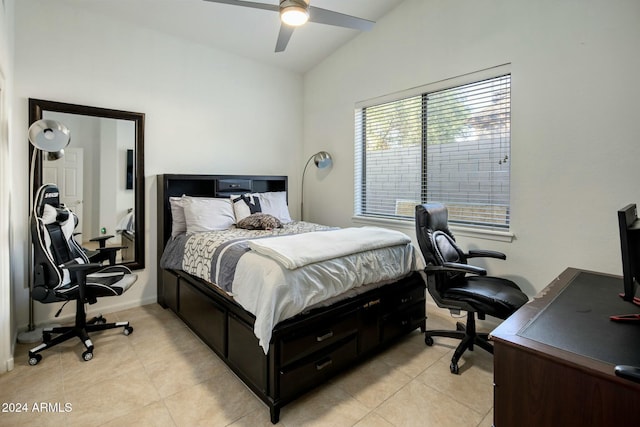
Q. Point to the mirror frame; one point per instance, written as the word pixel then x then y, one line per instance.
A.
pixel 36 109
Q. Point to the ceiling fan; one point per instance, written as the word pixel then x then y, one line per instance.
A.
pixel 294 13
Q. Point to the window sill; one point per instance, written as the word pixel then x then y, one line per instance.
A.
pixel 409 225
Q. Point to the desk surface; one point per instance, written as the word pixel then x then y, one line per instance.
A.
pixel 570 319
pixel 577 320
pixel 554 358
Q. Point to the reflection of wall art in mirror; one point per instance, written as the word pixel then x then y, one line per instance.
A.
pixel 129 177
pixel 102 199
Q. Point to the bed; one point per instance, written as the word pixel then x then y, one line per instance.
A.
pixel 292 350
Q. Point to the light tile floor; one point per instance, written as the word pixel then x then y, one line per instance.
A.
pixel 163 375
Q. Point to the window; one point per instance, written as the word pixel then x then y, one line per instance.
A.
pixel 448 145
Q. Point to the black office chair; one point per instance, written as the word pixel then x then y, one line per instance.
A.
pixel 62 273
pixel 458 286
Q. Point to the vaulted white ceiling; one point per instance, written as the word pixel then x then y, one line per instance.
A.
pixel 244 31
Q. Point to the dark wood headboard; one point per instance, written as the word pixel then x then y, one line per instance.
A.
pixel 206 186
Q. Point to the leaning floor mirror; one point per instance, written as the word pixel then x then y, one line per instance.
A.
pixel 100 176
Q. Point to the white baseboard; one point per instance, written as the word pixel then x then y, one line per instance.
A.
pixel 7 365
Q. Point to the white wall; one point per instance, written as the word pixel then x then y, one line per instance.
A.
pixel 7 197
pixel 575 144
pixel 207 111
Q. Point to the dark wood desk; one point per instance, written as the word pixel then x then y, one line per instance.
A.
pixel 554 358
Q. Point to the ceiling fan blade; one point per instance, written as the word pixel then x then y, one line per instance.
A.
pixel 273 7
pixel 283 37
pixel 329 17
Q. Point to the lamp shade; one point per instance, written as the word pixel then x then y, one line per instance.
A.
pixel 322 159
pixel 49 135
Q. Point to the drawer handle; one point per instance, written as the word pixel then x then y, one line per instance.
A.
pixel 323 363
pixel 405 300
pixel 372 303
pixel 234 185
pixel 325 336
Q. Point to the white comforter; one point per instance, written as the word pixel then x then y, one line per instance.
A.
pixel 298 250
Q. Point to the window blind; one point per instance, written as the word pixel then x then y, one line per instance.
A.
pixel 450 146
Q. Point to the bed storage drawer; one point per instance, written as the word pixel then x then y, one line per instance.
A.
pixel 169 290
pixel 234 186
pixel 316 336
pixel 315 369
pixel 401 301
pixel 205 317
pixel 401 321
pixel 245 353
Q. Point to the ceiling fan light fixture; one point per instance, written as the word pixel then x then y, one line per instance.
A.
pixel 294 13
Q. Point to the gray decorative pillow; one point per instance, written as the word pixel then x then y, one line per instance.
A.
pixel 259 221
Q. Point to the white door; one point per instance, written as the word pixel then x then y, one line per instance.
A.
pixel 67 174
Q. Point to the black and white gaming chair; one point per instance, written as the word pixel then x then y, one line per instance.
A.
pixel 62 272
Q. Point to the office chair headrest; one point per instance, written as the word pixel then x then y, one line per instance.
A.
pixel 48 194
pixel 430 217
pixel 434 216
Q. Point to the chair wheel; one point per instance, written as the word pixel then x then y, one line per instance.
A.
pixel 87 355
pixel 428 340
pixel 128 330
pixel 454 368
pixel 100 320
pixel 33 360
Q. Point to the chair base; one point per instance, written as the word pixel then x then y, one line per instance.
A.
pixel 80 330
pixel 468 338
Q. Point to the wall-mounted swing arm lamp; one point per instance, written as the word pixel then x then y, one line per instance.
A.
pixel 51 137
pixel 322 160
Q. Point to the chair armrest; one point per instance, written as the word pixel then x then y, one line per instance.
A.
pixel 454 267
pixel 101 240
pixel 87 268
pixel 82 270
pixel 107 253
pixel 110 249
pixel 476 253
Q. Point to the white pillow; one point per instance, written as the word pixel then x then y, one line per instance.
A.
pixel 178 221
pixel 208 214
pixel 275 203
pixel 240 208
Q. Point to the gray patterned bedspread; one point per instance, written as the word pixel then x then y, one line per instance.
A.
pixel 213 256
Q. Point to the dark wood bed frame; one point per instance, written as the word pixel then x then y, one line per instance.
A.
pixel 305 350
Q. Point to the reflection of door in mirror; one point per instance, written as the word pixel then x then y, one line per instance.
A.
pixel 97 186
